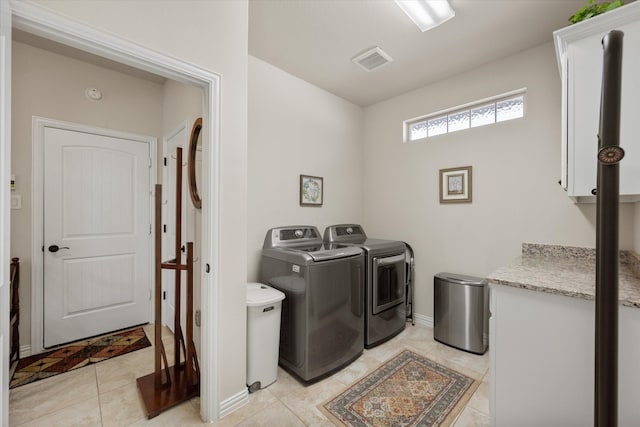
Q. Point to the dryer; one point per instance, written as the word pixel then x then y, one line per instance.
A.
pixel 385 280
pixel 322 327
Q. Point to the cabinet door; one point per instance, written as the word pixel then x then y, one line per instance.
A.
pixel 541 356
pixel 545 345
pixel 583 97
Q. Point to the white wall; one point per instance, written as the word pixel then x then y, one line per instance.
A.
pixel 296 128
pixel 216 39
pixel 516 167
pixel 52 86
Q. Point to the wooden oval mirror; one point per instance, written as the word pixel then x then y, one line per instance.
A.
pixel 193 149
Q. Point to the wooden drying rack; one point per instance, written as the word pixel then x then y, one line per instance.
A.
pixel 181 381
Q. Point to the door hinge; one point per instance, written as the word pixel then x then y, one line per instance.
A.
pixel 149 294
pixel 149 162
pixel 150 229
pixel 164 295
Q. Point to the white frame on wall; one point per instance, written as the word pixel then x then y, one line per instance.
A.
pixel 462 179
pixel 39 21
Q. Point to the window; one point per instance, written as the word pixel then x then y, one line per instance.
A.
pixel 501 108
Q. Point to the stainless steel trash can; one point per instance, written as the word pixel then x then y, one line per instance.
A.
pixel 461 311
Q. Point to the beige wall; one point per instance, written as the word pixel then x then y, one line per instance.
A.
pixel 296 128
pixel 516 167
pixel 181 102
pixel 52 86
pixel 216 39
pixel 186 103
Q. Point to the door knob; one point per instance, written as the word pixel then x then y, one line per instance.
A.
pixel 56 248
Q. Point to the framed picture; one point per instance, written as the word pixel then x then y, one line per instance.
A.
pixel 455 185
pixel 311 190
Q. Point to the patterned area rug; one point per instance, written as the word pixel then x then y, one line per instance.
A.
pixel 408 390
pixel 77 355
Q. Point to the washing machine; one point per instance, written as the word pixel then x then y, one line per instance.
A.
pixel 322 326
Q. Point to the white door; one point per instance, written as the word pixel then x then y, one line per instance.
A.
pixel 176 139
pixel 97 212
pixel 5 165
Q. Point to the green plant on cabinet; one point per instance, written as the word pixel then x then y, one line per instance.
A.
pixel 591 9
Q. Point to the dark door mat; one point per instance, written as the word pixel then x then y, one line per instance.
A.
pixel 77 355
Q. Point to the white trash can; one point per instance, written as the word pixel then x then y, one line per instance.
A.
pixel 264 306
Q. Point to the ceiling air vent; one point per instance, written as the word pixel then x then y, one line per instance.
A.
pixel 372 59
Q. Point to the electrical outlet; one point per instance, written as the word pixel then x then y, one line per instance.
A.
pixel 198 318
pixel 16 201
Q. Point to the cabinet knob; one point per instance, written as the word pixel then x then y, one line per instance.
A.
pixel 594 191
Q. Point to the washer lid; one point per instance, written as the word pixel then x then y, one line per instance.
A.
pixel 329 251
pixel 260 294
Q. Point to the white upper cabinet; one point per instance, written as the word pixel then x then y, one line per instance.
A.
pixel 579 52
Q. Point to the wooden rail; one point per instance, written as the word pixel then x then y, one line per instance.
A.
pixel 14 280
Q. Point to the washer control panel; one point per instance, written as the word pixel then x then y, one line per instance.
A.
pixel 287 236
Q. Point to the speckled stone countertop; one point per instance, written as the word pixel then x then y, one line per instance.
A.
pixel 569 271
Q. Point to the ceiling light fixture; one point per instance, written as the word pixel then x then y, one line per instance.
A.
pixel 427 14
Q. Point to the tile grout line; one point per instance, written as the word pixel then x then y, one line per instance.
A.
pixel 99 399
pixel 385 353
pixel 57 409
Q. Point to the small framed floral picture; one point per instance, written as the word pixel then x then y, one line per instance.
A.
pixel 311 190
pixel 455 185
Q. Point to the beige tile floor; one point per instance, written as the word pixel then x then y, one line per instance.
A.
pixel 105 394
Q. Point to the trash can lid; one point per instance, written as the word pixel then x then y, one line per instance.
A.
pixel 259 294
pixel 462 279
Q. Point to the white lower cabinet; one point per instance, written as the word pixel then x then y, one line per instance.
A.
pixel 542 360
pixel 580 56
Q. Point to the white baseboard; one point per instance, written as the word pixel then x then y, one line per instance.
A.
pixel 25 350
pixel 423 320
pixel 234 402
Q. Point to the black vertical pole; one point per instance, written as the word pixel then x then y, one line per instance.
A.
pixel 609 155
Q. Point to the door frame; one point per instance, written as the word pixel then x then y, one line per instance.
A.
pixel 44 23
pixel 5 204
pixel 39 124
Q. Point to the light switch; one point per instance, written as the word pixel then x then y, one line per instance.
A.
pixel 16 201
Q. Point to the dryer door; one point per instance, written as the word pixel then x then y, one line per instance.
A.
pixel 388 282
